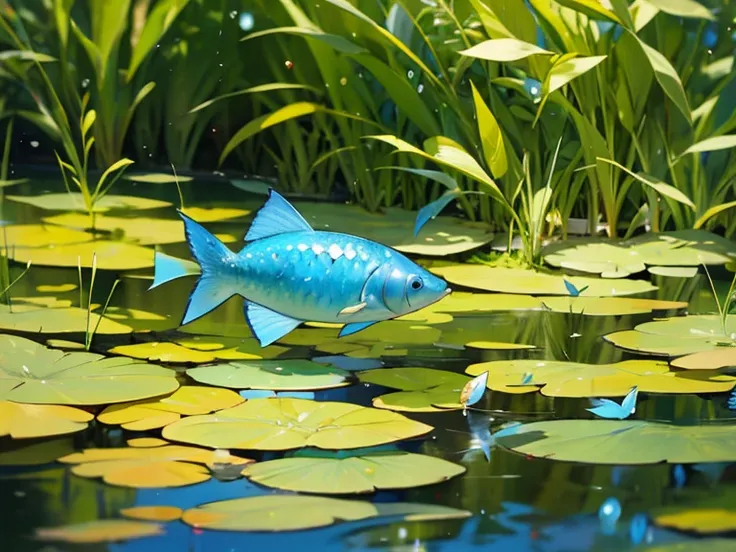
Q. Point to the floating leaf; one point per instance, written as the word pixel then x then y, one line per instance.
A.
pixel 32 373
pixel 26 421
pixel 608 306
pixel 459 302
pixel 157 178
pixel 722 357
pixel 504 49
pixel 146 442
pixel 214 214
pixel 104 530
pixel 149 467
pixel 498 346
pixel 110 255
pixel 557 378
pixel 164 352
pixel 294 512
pixel 153 513
pixel 515 280
pixel 701 520
pixel 621 442
pixel 188 400
pixel 57 320
pixel 420 388
pixel 340 474
pixel 674 271
pixel 75 202
pixel 281 424
pixel 40 235
pixel 292 374
pixel 61 288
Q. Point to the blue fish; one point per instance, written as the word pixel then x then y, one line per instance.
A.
pixel 606 408
pixel 288 273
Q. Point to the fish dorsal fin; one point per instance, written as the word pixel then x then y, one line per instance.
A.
pixel 277 216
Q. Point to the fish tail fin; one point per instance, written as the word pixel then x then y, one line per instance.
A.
pixel 167 268
pixel 216 283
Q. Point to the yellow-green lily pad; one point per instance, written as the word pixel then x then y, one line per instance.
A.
pixel 295 512
pixel 157 178
pixel 40 235
pixel 441 236
pixel 188 351
pixel 111 255
pixel 155 413
pixel 723 357
pixel 214 214
pixel 674 271
pixel 285 423
pixel 498 346
pixel 34 374
pixel 609 306
pixel 26 421
pixel 420 388
pixel 460 302
pixel 162 514
pixel 530 282
pixel 279 375
pixel 75 202
pixel 701 520
pixel 61 288
pixel 338 473
pixel 98 531
pixel 621 441
pixel 557 378
pixel 57 320
pixel 149 467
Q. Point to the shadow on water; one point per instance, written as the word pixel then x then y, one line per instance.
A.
pixel 517 502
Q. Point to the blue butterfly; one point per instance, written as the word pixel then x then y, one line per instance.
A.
pixel 606 408
pixel 572 290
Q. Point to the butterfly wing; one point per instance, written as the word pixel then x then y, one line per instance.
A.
pixel 606 409
pixel 629 403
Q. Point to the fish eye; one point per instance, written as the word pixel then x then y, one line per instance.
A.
pixel 417 283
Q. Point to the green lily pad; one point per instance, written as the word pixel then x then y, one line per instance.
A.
pixel 35 320
pixel 621 442
pixel 459 302
pixel 340 474
pixel 157 178
pixel 516 280
pixel 420 388
pixel 283 375
pixel 37 453
pixel 294 512
pixel 556 378
pixel 700 520
pixel 32 373
pixel 609 306
pixel 214 214
pixel 197 351
pixel 498 346
pixel 723 357
pixel 439 237
pixel 111 255
pixel 674 271
pixel 61 288
pixel 98 531
pixel 75 202
pixel 678 335
pixel 684 248
pixel 284 423
pixel 40 235
pixel 608 260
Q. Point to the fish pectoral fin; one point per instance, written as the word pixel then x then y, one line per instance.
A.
pixel 268 325
pixel 277 216
pixel 349 329
pixel 353 309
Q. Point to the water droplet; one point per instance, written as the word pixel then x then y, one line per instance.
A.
pixel 34 143
pixel 410 74
pixel 246 21
pixel 420 88
pixel 85 83
pixel 403 533
pixel 343 81
pixel 233 14
pixel 289 64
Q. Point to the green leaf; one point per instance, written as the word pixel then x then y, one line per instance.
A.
pixel 504 49
pixel 642 12
pixel 118 165
pixel 62 11
pixel 713 211
pixel 657 185
pixel 592 8
pixel 564 72
pixel 438 176
pixel 270 87
pixel 727 141
pixel 490 136
pixel 89 120
pixel 158 21
pixel 337 42
pixel 667 78
pixel 109 20
pixel 364 473
pixel 683 8
pixel 25 55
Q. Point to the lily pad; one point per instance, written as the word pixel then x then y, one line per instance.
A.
pixel 153 513
pixel 341 474
pixel 674 271
pixel 61 288
pixel 516 280
pixel 149 467
pixel 460 302
pixel 103 530
pixel 420 388
pixel 702 520
pixel 498 346
pixel 678 335
pixel 556 378
pixel 723 357
pixel 188 400
pixel 57 320
pixel 606 259
pixel 214 214
pixel 26 421
pixel 295 512
pixel 441 236
pixel 146 442
pixel 621 441
pixel 157 178
pixel 74 202
pixel 37 453
pixel 40 235
pixel 281 424
pixel 32 373
pixel 293 374
pixel 111 255
pixel 609 306
pixel 189 351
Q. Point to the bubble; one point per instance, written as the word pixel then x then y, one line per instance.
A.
pixel 343 81
pixel 288 64
pixel 410 74
pixel 233 14
pixel 420 88
pixel 403 533
pixel 246 21
pixel 85 83
pixel 34 143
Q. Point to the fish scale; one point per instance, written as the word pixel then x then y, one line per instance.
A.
pixel 288 274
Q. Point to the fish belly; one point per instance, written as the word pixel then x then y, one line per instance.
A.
pixel 312 276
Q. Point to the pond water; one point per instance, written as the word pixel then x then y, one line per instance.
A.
pixel 508 500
